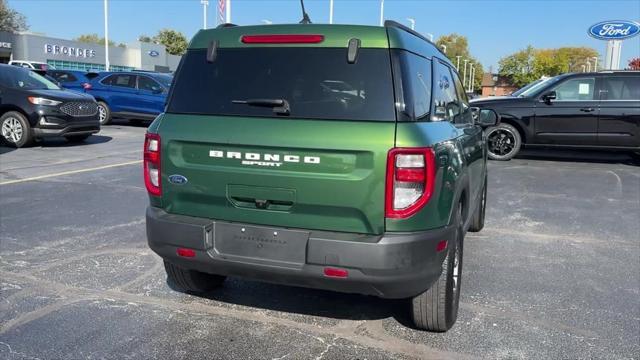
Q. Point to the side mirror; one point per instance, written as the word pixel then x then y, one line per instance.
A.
pixel 551 95
pixel 156 90
pixel 485 117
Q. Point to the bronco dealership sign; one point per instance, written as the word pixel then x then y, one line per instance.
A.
pixel 614 30
pixel 69 51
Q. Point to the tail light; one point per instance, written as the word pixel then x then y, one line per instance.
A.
pixel 86 86
pixel 283 39
pixel 151 165
pixel 410 181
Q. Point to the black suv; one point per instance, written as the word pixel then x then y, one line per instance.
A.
pixel 33 107
pixel 585 110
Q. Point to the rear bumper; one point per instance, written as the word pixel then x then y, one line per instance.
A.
pixel 397 265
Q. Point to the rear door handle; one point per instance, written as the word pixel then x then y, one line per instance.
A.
pixel 587 109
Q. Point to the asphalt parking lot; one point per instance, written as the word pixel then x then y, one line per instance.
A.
pixel 555 273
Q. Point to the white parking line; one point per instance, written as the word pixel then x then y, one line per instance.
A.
pixel 70 172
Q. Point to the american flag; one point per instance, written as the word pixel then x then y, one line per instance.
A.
pixel 221 11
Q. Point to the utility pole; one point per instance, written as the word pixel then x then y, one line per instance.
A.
pixel 464 75
pixel 106 36
pixel 381 12
pixel 330 11
pixel 413 23
pixel 458 62
pixel 205 4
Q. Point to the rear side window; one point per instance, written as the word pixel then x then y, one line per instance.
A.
pixel 318 83
pixel 621 88
pixel 446 105
pixel 415 87
pixel 121 80
pixel 579 89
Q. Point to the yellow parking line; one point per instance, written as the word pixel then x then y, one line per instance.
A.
pixel 70 172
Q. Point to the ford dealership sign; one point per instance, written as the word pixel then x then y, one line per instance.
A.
pixel 153 53
pixel 614 30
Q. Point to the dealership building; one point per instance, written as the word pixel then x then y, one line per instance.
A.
pixel 74 55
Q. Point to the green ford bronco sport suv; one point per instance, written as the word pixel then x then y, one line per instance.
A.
pixel 334 157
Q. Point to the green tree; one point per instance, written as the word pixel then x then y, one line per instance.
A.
pixel 145 39
pixel 530 64
pixel 458 45
pixel 93 39
pixel 174 41
pixel 11 20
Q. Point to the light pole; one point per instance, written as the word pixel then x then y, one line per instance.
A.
pixel 330 11
pixel 458 62
pixel 381 12
pixel 444 48
pixel 588 66
pixel 106 36
pixel 413 23
pixel 595 65
pixel 205 4
pixel 584 68
pixel 464 75
pixel 267 22
pixel 472 77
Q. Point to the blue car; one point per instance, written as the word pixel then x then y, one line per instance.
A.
pixel 72 79
pixel 133 95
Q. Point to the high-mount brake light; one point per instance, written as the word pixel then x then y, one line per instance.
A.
pixel 410 181
pixel 151 166
pixel 283 39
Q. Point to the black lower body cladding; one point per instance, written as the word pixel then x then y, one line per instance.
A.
pixel 398 265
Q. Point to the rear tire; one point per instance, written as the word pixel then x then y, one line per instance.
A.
pixel 191 280
pixel 503 142
pixel 477 222
pixel 104 113
pixel 15 129
pixel 437 308
pixel 77 138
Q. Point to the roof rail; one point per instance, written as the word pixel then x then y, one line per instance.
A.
pixel 225 25
pixel 395 24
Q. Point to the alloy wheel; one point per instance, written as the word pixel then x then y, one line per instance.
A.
pixel 12 130
pixel 501 141
pixel 102 113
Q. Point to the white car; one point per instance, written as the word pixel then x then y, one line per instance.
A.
pixel 35 65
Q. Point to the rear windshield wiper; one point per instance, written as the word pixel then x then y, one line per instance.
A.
pixel 280 106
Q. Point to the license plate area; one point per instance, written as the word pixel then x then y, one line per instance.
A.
pixel 260 245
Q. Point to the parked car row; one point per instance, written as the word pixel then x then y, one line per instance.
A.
pixel 38 102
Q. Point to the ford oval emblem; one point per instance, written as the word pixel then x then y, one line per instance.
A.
pixel 178 179
pixel 153 53
pixel 614 30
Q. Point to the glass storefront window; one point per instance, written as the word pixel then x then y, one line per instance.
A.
pixel 74 65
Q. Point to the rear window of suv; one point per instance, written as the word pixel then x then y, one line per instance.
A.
pixel 318 83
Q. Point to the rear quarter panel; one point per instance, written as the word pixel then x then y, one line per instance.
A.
pixel 451 173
